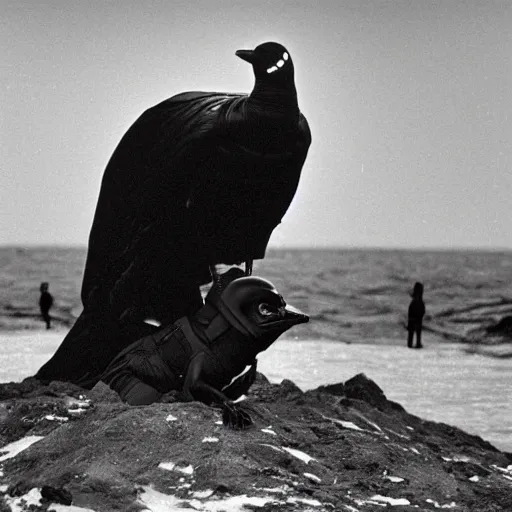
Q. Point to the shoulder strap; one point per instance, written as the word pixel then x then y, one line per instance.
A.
pixel 196 343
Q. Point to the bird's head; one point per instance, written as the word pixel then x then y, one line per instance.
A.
pixel 270 61
pixel 254 306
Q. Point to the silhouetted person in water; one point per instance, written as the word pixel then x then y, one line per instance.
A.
pixel 415 316
pixel 45 303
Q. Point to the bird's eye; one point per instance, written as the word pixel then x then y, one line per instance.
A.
pixel 266 310
pixel 279 64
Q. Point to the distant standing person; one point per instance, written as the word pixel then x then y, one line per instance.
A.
pixel 415 316
pixel 45 303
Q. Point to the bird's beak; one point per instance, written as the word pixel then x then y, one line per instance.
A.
pixel 247 55
pixel 269 331
pixel 293 316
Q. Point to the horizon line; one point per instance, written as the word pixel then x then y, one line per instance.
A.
pixel 348 247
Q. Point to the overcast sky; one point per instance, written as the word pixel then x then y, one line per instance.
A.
pixel 409 104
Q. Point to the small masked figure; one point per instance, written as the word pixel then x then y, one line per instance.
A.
pixel 201 355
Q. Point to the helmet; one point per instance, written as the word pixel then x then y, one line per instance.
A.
pixel 254 306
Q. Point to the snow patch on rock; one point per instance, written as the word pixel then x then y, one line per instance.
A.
pixel 51 417
pixel 171 466
pixel 392 501
pixel 32 499
pixel 312 477
pixel 446 505
pixel 304 457
pixel 12 449
pixel 395 479
pixel 156 501
pixel 297 453
pixel 345 424
pixel 283 489
pixel 202 494
pixel 508 469
pixel 305 501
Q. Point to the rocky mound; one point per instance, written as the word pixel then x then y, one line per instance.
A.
pixel 493 340
pixel 342 447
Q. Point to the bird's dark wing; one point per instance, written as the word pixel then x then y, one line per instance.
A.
pixel 142 213
pixel 89 346
pixel 242 193
pixel 143 257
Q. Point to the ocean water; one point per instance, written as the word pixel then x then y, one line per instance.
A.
pixel 357 296
pixel 357 301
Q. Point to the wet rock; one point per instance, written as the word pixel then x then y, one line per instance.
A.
pixel 361 387
pixel 337 389
pixel 289 389
pixel 494 340
pixel 54 495
pixel 303 451
pixel 101 392
pixel 503 327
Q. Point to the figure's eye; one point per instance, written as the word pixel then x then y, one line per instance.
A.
pixel 278 64
pixel 266 309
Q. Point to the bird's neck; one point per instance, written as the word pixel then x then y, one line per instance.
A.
pixel 281 99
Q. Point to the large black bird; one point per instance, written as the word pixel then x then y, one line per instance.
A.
pixel 199 179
